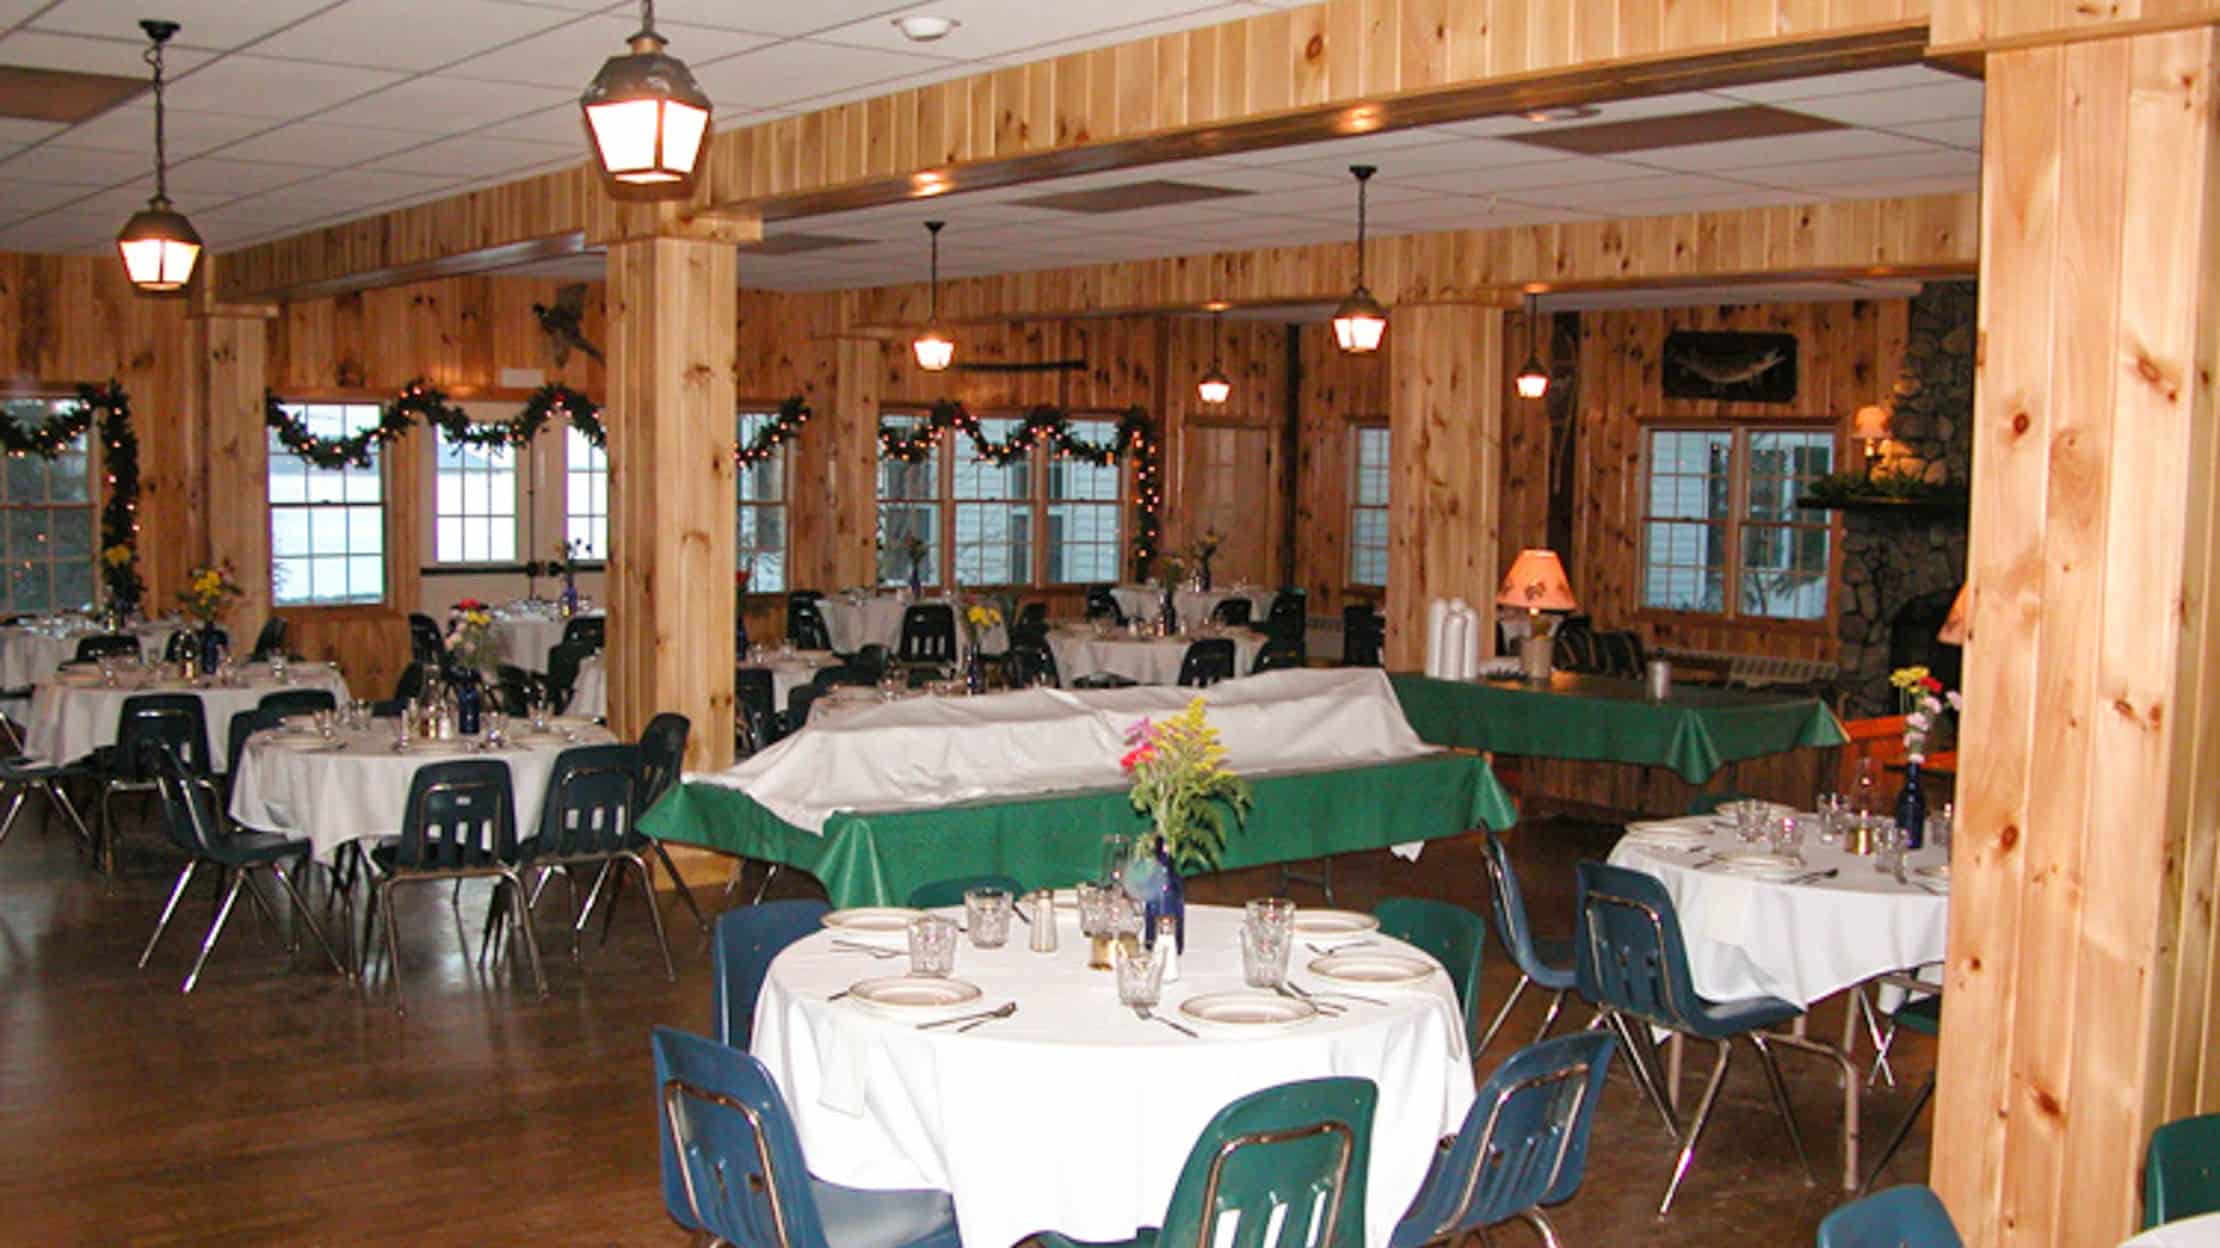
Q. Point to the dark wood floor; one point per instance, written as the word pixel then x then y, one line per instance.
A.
pixel 274 1106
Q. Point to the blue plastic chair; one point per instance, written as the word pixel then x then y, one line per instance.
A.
pixel 1455 936
pixel 1524 1144
pixel 1545 963
pixel 1303 1147
pixel 1901 1216
pixel 934 894
pixel 740 953
pixel 1632 962
pixel 733 1165
pixel 2181 1170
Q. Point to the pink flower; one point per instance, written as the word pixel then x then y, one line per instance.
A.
pixel 1137 755
pixel 1139 731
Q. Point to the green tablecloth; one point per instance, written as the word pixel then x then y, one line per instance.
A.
pixel 1695 732
pixel 1053 839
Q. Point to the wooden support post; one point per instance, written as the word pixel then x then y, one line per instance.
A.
pixel 673 313
pixel 851 483
pixel 1445 423
pixel 230 352
pixel 2082 950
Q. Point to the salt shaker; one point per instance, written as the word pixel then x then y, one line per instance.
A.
pixel 1043 927
pixel 1167 946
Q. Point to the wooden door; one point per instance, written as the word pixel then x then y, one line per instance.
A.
pixel 1229 485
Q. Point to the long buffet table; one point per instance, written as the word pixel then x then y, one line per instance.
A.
pixel 1026 784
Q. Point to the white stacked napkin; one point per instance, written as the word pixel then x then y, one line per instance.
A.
pixel 1452 639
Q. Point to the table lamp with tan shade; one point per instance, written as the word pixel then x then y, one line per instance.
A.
pixel 1871 426
pixel 1536 582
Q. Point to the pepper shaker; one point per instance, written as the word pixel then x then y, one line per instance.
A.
pixel 1043 927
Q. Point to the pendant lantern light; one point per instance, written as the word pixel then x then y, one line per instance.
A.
pixel 159 246
pixel 1215 387
pixel 647 118
pixel 933 349
pixel 1360 322
pixel 1533 379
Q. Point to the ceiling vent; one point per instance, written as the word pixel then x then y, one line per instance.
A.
pixel 59 95
pixel 1644 134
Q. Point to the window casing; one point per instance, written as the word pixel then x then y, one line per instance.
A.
pixel 1721 532
pixel 1368 506
pixel 585 496
pixel 327 525
pixel 474 507
pixel 47 520
pixel 760 537
pixel 1041 519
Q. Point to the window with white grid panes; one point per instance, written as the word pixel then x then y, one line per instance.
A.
pixel 760 544
pixel 585 496
pixel 993 510
pixel 474 503
pixel 1720 515
pixel 48 541
pixel 327 525
pixel 910 500
pixel 1368 506
pixel 1086 512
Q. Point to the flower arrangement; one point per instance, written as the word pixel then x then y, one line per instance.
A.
pixel 209 592
pixel 470 635
pixel 1206 547
pixel 914 547
pixel 1179 777
pixel 1923 699
pixel 980 617
pixel 1169 570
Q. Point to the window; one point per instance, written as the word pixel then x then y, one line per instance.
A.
pixel 474 504
pixel 585 495
pixel 1720 511
pixel 48 509
pixel 761 542
pixel 1040 519
pixel 327 525
pixel 1368 499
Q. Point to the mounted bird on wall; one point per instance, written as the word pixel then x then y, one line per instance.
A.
pixel 1747 368
pixel 564 323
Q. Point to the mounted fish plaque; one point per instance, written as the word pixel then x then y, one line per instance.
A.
pixel 1730 368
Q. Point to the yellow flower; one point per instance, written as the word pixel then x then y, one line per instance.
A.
pixel 1907 678
pixel 118 555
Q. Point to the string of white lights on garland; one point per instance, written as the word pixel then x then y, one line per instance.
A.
pixel 1135 440
pixel 109 407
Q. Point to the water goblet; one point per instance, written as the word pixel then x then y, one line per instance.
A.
pixel 1141 977
pixel 1277 913
pixel 987 914
pixel 1786 836
pixel 1834 813
pixel 497 727
pixel 1749 822
pixel 1264 949
pixel 1117 851
pixel 1888 847
pixel 932 946
pixel 1939 827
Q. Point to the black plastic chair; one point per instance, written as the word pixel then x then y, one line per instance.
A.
pixel 562 669
pixel 515 688
pixel 409 685
pixel 174 649
pixel 1032 663
pixel 741 950
pixel 147 721
pixel 799 700
pixel 829 678
pixel 1573 647
pixel 1233 612
pixel 458 823
pixel 1280 653
pixel 754 701
pixel 1290 614
pixel 662 757
pixel 244 724
pixel 590 631
pixel 805 626
pixel 286 702
pixel 587 821
pixel 1620 654
pixel 739 634
pixel 270 642
pixel 426 643
pixel 1363 636
pixel 1207 662
pixel 196 825
pixel 928 635
pixel 1103 605
pixel 111 646
pixel 20 775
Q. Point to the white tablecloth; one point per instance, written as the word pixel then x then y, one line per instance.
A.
pixel 790 670
pixel 299 785
pixel 525 638
pixel 589 694
pixel 1798 942
pixel 1073 1114
pixel 1141 602
pixel 30 653
pixel 1081 652
pixel 852 624
pixel 74 714
pixel 2197 1232
pixel 924 752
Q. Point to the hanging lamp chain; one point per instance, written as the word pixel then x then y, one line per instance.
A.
pixel 1217 337
pixel 647 16
pixel 1364 178
pixel 161 129
pixel 932 313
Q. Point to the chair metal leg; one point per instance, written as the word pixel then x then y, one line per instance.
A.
pixel 216 929
pixel 1850 1091
pixel 1696 1128
pixel 1641 1066
pixel 771 872
pixel 1556 1003
pixel 685 894
pixel 655 915
pixel 1540 1222
pixel 1902 1132
pixel 586 913
pixel 265 912
pixel 169 908
pixel 392 943
pixel 1517 990
pixel 58 797
pixel 302 912
pixel 1780 1101
pixel 522 917
pixel 1324 879
pixel 15 807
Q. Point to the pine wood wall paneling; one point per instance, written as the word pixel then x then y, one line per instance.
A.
pixel 1337 392
pixel 230 365
pixel 1254 355
pixel 457 333
pixel 849 490
pixel 1526 447
pixel 1962 26
pixel 1445 368
pixel 2091 711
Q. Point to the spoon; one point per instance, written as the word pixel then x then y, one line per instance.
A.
pixel 1001 1011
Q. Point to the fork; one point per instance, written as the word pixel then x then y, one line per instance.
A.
pixel 846 946
pixel 1004 1010
pixel 1142 1012
pixel 1334 949
pixel 1328 1008
pixel 1313 997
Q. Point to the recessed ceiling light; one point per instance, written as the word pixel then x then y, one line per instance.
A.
pixel 1565 112
pixel 920 28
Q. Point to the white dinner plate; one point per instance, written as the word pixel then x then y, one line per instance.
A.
pixel 453 745
pixel 301 741
pixel 1938 872
pixel 1385 969
pixel 910 996
pixel 1669 838
pixel 1248 1011
pixel 1334 922
pixel 869 922
pixel 1757 864
pixel 1771 810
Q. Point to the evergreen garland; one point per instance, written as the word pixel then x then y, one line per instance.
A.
pixel 416 401
pixel 786 424
pixel 109 407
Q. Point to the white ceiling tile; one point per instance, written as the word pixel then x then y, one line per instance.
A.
pixel 477 154
pixel 801 69
pixel 1962 132
pixel 18 130
pixel 1676 104
pixel 1563 172
pixel 998 28
pixel 1405 162
pixel 776 19
pixel 202 23
pixel 558 124
pixel 328 144
pixel 399 34
pixel 1955 97
pixel 123 55
pixel 210 177
pixel 82 166
pixel 256 86
pixel 28 199
pixel 1893 78
pixel 1780 149
pixel 1199 16
pixel 54 234
pixel 569 55
pixel 1875 172
pixel 13 11
pixel 435 104
pixel 130 128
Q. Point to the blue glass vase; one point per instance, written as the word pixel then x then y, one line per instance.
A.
pixel 1164 895
pixel 211 647
pixel 1911 809
pixel 470 701
pixel 917 578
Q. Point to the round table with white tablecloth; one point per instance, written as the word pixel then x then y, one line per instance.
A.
pixel 853 622
pixel 1143 602
pixel 1086 651
pixel 76 712
pixel 1073 1114
pixel 2202 1231
pixel 524 637
pixel 356 786
pixel 32 652
pixel 589 693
